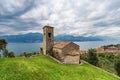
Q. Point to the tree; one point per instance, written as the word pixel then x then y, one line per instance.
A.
pixel 3 44
pixel 11 54
pixel 92 57
pixel 5 53
pixel 117 66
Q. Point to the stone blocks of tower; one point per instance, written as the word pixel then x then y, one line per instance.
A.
pixel 48 39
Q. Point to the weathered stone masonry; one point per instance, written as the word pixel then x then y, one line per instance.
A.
pixel 65 52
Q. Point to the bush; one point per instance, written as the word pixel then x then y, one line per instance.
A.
pixel 22 54
pixel 25 54
pixel 84 57
pixel 28 55
pixel 92 57
pixel 11 54
pixel 117 66
pixel 107 56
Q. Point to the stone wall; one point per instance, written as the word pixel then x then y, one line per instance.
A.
pixel 70 47
pixel 48 37
pixel 64 54
pixel 72 59
pixel 57 53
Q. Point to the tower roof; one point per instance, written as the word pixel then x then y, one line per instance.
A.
pixel 47 26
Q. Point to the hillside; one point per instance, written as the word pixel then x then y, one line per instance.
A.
pixel 44 68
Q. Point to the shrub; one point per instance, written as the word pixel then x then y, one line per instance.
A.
pixel 117 66
pixel 11 54
pixel 84 57
pixel 28 55
pixel 25 54
pixel 107 56
pixel 92 57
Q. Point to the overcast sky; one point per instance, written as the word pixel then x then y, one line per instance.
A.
pixel 74 17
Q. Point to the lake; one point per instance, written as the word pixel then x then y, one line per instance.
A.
pixel 34 47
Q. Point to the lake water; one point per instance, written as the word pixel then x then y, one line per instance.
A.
pixel 34 47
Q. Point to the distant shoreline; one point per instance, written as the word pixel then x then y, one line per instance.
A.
pixel 55 41
pixel 34 47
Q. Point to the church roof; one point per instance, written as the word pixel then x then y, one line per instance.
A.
pixel 61 44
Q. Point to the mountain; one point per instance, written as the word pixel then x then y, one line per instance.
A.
pixel 30 37
pixel 38 37
pixel 76 38
pixel 45 68
pixel 107 38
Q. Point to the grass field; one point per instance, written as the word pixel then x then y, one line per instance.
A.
pixel 44 68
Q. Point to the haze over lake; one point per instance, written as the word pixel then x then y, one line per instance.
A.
pixel 34 47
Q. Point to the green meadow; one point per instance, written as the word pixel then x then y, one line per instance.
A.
pixel 44 68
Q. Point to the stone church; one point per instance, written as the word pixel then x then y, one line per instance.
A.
pixel 65 52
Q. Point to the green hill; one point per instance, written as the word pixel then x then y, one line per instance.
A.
pixel 44 68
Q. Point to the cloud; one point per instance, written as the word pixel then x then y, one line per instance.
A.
pixel 74 17
pixel 14 8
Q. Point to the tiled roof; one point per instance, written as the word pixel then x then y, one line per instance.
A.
pixel 60 44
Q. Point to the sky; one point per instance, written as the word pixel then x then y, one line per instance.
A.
pixel 72 17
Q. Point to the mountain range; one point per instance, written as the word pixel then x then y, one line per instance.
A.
pixel 38 37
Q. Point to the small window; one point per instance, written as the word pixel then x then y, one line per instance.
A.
pixel 56 52
pixel 49 35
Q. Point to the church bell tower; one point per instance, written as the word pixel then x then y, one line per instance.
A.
pixel 48 39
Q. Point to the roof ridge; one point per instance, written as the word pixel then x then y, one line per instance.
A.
pixel 61 44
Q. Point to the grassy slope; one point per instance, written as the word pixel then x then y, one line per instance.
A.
pixel 44 68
